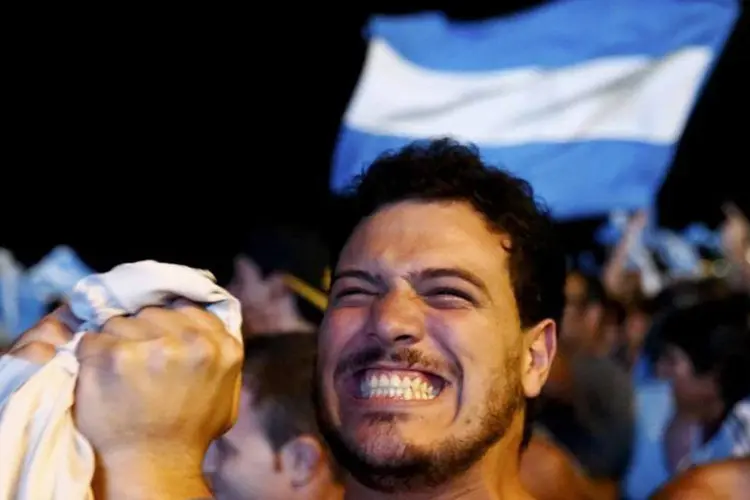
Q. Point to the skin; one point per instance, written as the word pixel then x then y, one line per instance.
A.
pixel 244 465
pixel 168 373
pixel 423 289
pixel 550 474
pixel 725 480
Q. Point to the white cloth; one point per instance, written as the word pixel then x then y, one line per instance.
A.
pixel 42 454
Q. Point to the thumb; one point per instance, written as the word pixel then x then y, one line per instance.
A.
pixel 38 344
pixel 55 329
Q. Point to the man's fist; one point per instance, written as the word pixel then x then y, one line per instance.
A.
pixel 160 378
pixel 153 391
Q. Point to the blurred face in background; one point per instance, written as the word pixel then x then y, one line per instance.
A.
pixel 580 317
pixel 242 464
pixel 694 393
pixel 268 304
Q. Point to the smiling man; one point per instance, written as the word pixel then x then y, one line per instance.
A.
pixel 440 326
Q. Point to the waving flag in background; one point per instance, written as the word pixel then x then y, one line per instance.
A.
pixel 26 293
pixel 586 99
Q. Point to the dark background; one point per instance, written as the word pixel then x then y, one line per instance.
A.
pixel 168 134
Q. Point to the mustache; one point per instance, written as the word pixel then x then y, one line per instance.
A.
pixel 412 358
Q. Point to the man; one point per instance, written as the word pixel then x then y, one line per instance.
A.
pixel 441 322
pixel 275 451
pixel 587 405
pixel 724 480
pixel 706 352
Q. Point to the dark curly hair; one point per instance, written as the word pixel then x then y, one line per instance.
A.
pixel 447 170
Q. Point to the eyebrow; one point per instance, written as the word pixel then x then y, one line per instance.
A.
pixel 453 272
pixel 429 273
pixel 357 274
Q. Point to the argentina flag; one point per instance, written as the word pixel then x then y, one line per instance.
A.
pixel 586 99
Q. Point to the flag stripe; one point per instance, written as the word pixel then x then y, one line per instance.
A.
pixel 626 180
pixel 612 98
pixel 561 33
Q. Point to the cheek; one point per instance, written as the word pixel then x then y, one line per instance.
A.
pixel 475 342
pixel 338 333
pixel 256 455
pixel 337 330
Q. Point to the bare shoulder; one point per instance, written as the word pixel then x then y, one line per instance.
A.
pixel 549 473
pixel 728 479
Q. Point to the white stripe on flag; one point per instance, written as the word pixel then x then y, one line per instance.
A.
pixel 620 98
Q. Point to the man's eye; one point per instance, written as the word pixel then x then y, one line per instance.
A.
pixel 450 294
pixel 347 292
pixel 352 296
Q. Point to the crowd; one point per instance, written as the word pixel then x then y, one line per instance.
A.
pixel 442 348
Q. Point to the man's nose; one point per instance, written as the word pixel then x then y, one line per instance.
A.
pixel 398 318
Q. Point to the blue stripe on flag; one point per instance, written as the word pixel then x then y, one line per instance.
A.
pixel 564 33
pixel 586 99
pixel 621 183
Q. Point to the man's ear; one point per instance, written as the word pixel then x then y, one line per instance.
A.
pixel 302 459
pixel 540 346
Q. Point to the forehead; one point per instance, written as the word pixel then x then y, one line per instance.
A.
pixel 408 236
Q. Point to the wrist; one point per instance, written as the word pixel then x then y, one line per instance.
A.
pixel 147 474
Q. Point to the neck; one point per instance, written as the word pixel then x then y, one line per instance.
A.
pixel 494 477
pixel 324 487
pixel 330 491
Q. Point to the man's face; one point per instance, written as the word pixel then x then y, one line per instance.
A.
pixel 573 320
pixel 582 318
pixel 693 392
pixel 423 365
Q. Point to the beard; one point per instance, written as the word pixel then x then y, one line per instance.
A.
pixel 415 468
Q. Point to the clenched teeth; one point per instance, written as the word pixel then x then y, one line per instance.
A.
pixel 388 385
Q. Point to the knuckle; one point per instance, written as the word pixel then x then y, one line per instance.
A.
pixel 35 351
pixel 162 355
pixel 121 357
pixel 49 330
pixel 231 351
pixel 201 347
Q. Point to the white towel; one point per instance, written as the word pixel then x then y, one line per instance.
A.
pixel 42 454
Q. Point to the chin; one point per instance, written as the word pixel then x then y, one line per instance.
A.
pixel 386 443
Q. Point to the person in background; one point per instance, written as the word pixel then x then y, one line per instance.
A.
pixel 723 480
pixel 281 278
pixel 628 288
pixel 551 473
pixel 590 320
pixel 706 354
pixel 441 323
pixel 274 451
pixel 587 406
pixel 735 242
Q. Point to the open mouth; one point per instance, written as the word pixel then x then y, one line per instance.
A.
pixel 400 385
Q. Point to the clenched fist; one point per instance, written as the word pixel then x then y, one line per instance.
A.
pixel 153 391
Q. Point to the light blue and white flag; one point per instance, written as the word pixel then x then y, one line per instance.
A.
pixel 26 293
pixel 586 99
